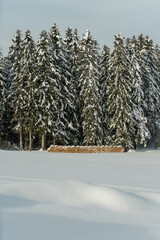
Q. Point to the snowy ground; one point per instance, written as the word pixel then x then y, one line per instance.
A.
pixel 113 196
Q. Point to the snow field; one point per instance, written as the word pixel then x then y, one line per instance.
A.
pixel 79 196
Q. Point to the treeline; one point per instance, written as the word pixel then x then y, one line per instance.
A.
pixel 67 92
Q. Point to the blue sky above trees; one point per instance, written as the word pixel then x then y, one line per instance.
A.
pixel 103 18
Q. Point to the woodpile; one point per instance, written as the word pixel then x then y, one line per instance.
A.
pixel 84 149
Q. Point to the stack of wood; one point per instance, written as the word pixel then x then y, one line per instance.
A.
pixel 85 149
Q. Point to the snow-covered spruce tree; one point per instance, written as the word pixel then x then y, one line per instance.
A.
pixel 7 125
pixel 17 89
pixel 142 134
pixel 121 121
pixel 2 91
pixel 104 61
pixel 46 90
pixel 27 76
pixel 71 42
pixel 151 88
pixel 157 51
pixel 65 108
pixel 90 98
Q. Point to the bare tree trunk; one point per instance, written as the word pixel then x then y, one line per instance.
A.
pixel 26 138
pixel 54 141
pixel 21 141
pixel 30 139
pixel 43 142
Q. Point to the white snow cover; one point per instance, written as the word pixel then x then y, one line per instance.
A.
pixel 62 196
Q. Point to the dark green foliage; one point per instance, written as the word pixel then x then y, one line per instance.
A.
pixel 28 73
pixel 2 85
pixel 120 124
pixel 60 66
pixel 104 65
pixel 141 134
pixel 91 111
pixel 66 123
pixel 151 88
pixel 3 89
pixel 72 48
pixel 63 91
pixel 46 87
pixel 18 84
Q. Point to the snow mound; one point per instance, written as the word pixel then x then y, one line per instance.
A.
pixel 70 196
pixel 152 196
pixel 74 194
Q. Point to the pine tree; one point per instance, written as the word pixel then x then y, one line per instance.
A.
pixel 17 90
pixel 121 122
pixel 89 94
pixel 151 81
pixel 71 42
pixel 142 134
pixel 27 76
pixel 46 89
pixel 2 92
pixel 157 51
pixel 104 64
pixel 7 125
pixel 65 107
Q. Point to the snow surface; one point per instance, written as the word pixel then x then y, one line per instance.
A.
pixel 63 196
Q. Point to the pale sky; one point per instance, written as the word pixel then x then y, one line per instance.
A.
pixel 103 18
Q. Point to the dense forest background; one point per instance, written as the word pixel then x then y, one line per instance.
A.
pixel 69 92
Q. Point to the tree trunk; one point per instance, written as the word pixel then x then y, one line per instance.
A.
pixel 26 138
pixel 30 139
pixel 54 141
pixel 43 142
pixel 21 141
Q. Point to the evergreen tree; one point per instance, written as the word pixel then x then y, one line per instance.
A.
pixel 91 111
pixel 2 91
pixel 142 134
pixel 71 42
pixel 65 107
pixel 27 76
pixel 157 52
pixel 7 125
pixel 121 122
pixel 62 90
pixel 17 90
pixel 104 64
pixel 151 81
pixel 46 89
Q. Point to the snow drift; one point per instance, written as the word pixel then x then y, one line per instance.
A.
pixel 65 196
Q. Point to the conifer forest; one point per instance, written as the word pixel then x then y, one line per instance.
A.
pixel 68 91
